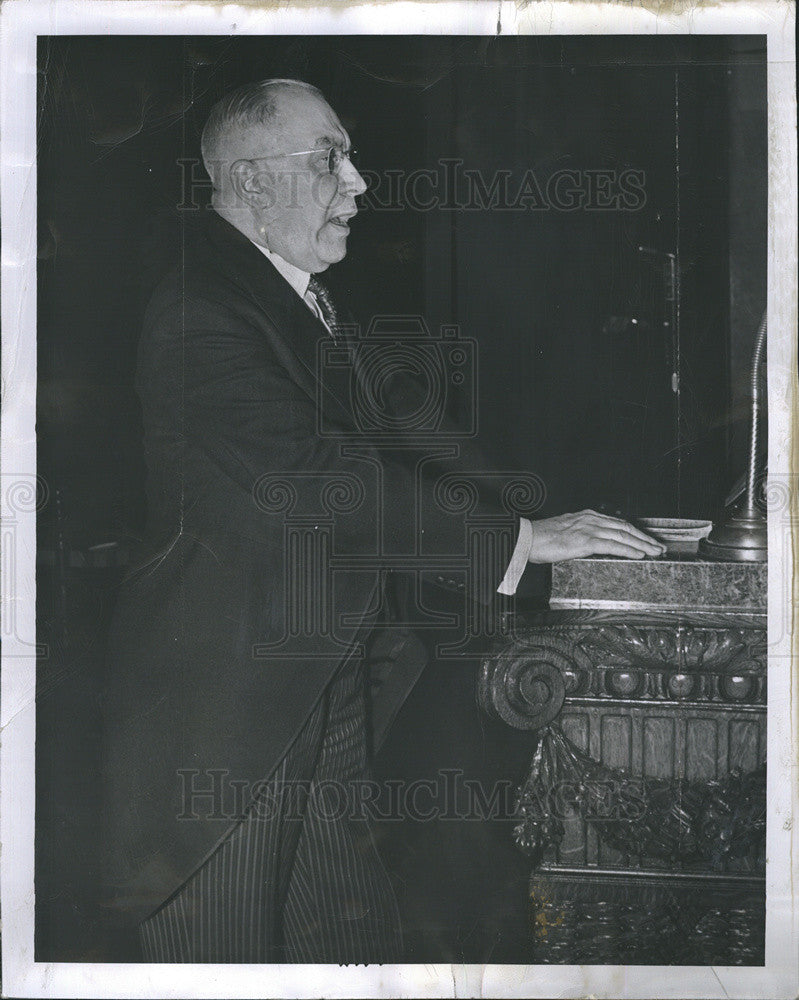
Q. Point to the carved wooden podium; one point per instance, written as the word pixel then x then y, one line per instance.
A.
pixel 644 809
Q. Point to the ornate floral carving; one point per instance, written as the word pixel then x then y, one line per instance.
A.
pixel 682 663
pixel 684 646
pixel 658 926
pixel 672 820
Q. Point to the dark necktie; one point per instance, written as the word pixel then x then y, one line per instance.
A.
pixel 324 303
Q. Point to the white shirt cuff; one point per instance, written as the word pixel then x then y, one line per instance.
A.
pixel 518 560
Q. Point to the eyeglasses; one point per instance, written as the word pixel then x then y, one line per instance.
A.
pixel 335 157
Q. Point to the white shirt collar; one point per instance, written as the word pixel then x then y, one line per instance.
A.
pixel 294 276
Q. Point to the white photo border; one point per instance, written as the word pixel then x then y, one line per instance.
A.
pixel 22 22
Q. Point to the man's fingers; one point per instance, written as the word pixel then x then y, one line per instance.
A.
pixel 640 536
pixel 626 527
pixel 614 547
pixel 632 542
pixel 575 536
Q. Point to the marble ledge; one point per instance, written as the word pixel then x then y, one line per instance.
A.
pixel 659 584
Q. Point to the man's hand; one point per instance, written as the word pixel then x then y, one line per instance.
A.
pixel 587 533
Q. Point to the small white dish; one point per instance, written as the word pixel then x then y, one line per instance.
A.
pixel 678 529
pixel 679 534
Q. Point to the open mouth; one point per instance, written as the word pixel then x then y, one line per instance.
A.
pixel 341 221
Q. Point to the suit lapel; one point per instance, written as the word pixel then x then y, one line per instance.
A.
pixel 294 332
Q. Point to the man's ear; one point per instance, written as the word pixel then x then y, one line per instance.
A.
pixel 251 183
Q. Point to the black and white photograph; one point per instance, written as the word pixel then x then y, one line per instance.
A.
pixel 398 501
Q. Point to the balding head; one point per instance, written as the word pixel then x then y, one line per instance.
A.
pixel 242 122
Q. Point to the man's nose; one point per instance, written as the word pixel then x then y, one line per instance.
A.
pixel 350 181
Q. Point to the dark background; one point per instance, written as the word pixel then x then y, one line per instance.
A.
pixel 569 388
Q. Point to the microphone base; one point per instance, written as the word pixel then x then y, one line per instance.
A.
pixel 743 537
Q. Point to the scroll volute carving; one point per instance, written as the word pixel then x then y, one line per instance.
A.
pixel 526 687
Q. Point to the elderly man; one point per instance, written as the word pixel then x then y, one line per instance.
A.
pixel 206 729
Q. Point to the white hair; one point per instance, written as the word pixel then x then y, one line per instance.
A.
pixel 252 104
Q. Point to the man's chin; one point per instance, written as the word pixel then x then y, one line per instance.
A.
pixel 333 255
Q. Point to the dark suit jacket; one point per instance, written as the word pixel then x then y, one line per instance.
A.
pixel 226 377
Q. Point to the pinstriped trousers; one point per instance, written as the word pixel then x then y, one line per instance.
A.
pixel 299 879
